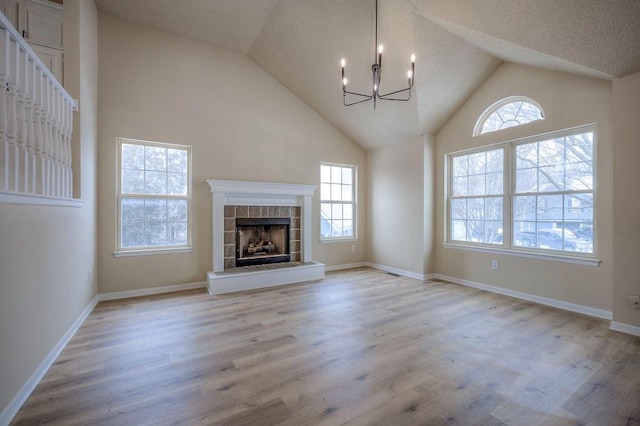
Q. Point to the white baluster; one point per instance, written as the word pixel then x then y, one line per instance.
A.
pixel 67 148
pixel 30 169
pixel 46 135
pixel 4 144
pixel 12 154
pixel 56 140
pixel 22 122
pixel 37 125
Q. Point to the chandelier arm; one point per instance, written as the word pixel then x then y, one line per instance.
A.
pixel 346 92
pixel 387 98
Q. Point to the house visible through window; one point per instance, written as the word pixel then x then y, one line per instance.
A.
pixel 337 194
pixel 550 200
pixel 154 194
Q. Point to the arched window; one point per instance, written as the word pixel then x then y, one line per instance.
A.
pixel 508 112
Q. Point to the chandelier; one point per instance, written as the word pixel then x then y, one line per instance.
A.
pixel 376 71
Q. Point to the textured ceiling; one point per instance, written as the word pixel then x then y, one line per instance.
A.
pixel 458 43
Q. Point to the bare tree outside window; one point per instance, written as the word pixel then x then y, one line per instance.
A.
pixel 550 183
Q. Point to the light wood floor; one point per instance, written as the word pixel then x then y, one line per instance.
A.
pixel 360 347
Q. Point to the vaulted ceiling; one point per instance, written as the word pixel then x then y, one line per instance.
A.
pixel 458 44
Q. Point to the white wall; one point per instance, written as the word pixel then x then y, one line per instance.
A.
pixel 46 252
pixel 626 204
pixel 241 123
pixel 399 213
pixel 568 101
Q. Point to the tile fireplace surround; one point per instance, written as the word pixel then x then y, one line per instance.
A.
pixel 240 195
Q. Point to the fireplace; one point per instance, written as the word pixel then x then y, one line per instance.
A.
pixel 262 240
pixel 281 208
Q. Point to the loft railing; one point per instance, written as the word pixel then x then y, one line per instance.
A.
pixel 36 123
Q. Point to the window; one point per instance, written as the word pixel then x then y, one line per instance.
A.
pixel 508 112
pixel 337 200
pixel 154 195
pixel 477 196
pixel 549 198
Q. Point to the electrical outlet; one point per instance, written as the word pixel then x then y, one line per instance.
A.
pixel 353 248
pixel 494 264
pixel 635 301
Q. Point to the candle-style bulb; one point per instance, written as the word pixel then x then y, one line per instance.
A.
pixel 409 75
pixel 344 82
pixel 380 49
pixel 413 58
pixel 343 62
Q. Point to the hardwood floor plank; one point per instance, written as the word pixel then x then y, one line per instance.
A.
pixel 359 347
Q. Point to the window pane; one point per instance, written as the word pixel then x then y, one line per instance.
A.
pixel 347 228
pixel 460 185
pixel 155 158
pixel 177 183
pixel 132 156
pixel 526 180
pixel 511 114
pixel 493 234
pixel 325 174
pixel 132 209
pixel 336 211
pixel 155 234
pixel 459 230
pixel 336 174
pixel 495 161
pixel 325 191
pixel 132 182
pixel 155 183
pixel 495 182
pixel 527 155
pixel 551 178
pixel 550 208
pixel 132 234
pixel 347 175
pixel 347 211
pixel 347 191
pixel 177 210
pixel 336 192
pixel 524 208
pixel 477 163
pixel 155 209
pixel 477 185
pixel 177 233
pixel 177 160
pixel 459 209
pixel 461 165
pixel 493 209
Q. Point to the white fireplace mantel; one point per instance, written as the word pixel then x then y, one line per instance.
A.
pixel 240 193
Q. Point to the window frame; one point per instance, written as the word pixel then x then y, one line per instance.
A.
pixel 353 202
pixel 150 250
pixel 507 246
pixel 477 129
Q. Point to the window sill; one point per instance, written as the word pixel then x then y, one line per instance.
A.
pixel 337 240
pixel 24 199
pixel 148 252
pixel 589 261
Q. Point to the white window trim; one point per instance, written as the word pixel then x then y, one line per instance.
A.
pixel 354 203
pixel 138 251
pixel 510 165
pixel 477 129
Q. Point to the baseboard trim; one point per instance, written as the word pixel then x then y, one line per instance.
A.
pixel 330 268
pixel 150 291
pixel 397 271
pixel 9 412
pixel 581 309
pixel 625 328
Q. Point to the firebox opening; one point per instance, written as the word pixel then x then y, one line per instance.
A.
pixel 262 240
